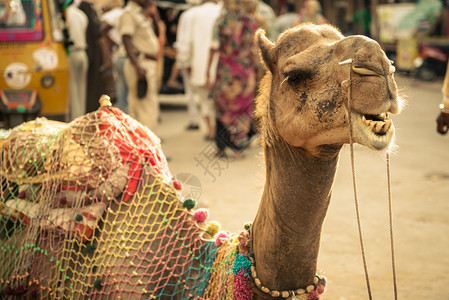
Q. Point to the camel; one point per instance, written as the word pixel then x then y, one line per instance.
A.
pixel 91 209
pixel 304 123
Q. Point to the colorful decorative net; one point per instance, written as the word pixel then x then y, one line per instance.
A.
pixel 90 210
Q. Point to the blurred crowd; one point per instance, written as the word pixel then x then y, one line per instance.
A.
pixel 136 50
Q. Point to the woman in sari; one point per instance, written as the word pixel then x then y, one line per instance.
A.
pixel 234 86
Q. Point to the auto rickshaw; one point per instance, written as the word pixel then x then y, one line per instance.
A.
pixel 33 61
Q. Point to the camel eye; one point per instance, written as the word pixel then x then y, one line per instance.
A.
pixel 298 77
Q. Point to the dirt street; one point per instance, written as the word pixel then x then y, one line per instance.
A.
pixel 420 193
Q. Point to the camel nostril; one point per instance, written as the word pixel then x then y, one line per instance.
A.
pixel 395 106
pixel 364 71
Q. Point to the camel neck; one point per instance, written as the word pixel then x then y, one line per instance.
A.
pixel 287 229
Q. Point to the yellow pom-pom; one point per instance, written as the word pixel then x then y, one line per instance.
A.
pixel 213 228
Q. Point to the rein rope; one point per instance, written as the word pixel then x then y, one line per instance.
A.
pixel 354 181
pixel 390 211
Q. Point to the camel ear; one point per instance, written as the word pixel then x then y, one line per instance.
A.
pixel 266 49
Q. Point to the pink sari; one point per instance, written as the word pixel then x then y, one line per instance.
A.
pixel 235 84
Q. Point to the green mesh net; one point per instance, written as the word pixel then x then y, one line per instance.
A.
pixel 90 210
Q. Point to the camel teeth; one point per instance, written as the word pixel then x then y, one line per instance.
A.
pixel 388 124
pixel 378 126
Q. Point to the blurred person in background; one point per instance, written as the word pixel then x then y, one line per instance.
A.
pixel 160 29
pixel 93 35
pixel 111 19
pixel 286 20
pixel 77 26
pixel 110 43
pixel 443 117
pixel 311 13
pixel 197 44
pixel 251 8
pixel 266 12
pixel 142 47
pixel 361 21
pixel 184 61
pixel 233 89
pixel 171 70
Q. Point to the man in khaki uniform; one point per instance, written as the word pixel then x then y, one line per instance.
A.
pixel 142 46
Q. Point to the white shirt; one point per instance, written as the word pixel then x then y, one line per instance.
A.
pixel 182 44
pixel 203 21
pixel 112 18
pixel 77 24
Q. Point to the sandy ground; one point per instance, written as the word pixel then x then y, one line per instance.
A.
pixel 420 193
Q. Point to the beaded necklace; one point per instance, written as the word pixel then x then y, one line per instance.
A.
pixel 245 264
pixel 312 292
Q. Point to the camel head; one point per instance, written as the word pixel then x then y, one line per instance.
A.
pixel 308 94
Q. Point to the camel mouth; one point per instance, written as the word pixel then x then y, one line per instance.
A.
pixel 379 124
pixel 373 130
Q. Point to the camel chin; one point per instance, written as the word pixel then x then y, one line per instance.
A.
pixel 373 131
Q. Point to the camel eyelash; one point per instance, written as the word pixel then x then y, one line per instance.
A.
pixel 297 77
pixel 285 79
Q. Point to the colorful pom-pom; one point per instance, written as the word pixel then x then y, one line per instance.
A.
pixel 241 264
pixel 213 228
pixel 34 294
pixel 79 218
pixel 201 215
pixel 313 295
pixel 90 248
pixel 248 225
pixel 19 291
pixel 63 201
pixel 8 291
pixel 242 289
pixel 320 289
pixel 221 236
pixel 189 203
pixel 244 239
pixel 97 284
pixel 177 185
